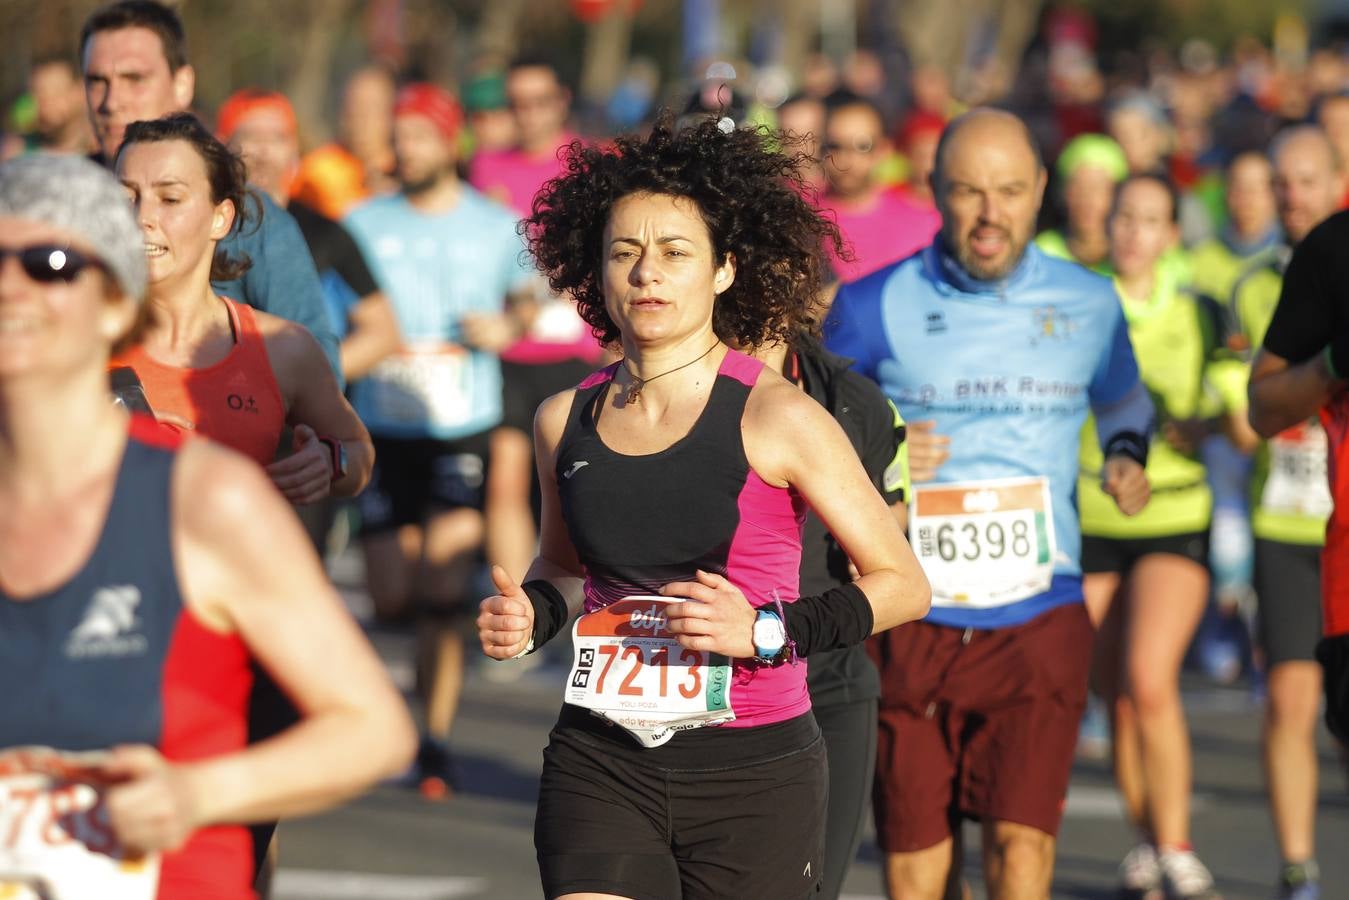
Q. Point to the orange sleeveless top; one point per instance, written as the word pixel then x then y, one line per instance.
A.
pixel 235 402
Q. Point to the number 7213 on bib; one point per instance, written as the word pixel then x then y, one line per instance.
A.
pixel 629 669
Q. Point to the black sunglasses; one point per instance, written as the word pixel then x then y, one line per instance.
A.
pixel 51 262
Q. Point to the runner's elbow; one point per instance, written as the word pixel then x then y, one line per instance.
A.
pixel 360 466
pixel 920 598
pixel 1265 419
pixel 397 740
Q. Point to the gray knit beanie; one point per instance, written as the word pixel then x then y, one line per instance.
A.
pixel 76 195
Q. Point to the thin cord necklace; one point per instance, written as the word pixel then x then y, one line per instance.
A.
pixel 634 390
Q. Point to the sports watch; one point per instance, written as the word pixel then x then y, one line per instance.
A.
pixel 770 637
pixel 338 456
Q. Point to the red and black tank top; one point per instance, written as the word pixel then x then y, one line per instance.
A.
pixel 115 657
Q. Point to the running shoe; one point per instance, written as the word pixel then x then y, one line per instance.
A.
pixel 432 773
pixel 1185 877
pixel 1140 875
pixel 1299 881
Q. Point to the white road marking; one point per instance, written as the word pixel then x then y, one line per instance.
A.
pixel 309 884
pixel 1105 803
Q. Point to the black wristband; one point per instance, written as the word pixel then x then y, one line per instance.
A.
pixel 840 617
pixel 1130 444
pixel 550 610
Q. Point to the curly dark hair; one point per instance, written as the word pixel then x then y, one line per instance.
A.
pixel 749 195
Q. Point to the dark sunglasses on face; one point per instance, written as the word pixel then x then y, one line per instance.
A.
pixel 48 263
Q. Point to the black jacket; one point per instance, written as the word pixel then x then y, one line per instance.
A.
pixel 877 434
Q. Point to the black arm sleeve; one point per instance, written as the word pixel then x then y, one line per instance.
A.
pixel 835 620
pixel 1304 320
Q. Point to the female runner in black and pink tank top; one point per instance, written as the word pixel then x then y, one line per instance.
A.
pixel 684 471
pixel 137 580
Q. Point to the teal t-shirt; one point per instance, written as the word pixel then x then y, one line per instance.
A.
pixel 436 268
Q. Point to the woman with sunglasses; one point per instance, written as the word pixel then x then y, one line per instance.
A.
pixel 232 373
pixel 686 760
pixel 139 575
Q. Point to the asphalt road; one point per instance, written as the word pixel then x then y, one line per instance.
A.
pixel 392 845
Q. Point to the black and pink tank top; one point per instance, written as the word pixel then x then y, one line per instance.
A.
pixel 641 522
pixel 114 656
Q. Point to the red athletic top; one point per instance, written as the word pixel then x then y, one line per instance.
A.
pixel 1335 555
pixel 235 401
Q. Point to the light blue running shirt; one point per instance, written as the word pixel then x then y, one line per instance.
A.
pixel 1008 370
pixel 435 269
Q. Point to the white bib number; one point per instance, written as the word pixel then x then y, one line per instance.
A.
pixel 1298 484
pixel 56 841
pixel 424 383
pixel 627 668
pixel 984 543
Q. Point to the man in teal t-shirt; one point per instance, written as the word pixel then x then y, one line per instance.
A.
pixel 449 259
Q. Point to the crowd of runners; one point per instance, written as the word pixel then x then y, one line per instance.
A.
pixel 868 453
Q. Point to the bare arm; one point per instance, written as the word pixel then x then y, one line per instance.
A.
pixel 1237 428
pixel 374 335
pixel 246 567
pixel 792 440
pixel 557 560
pixel 1282 395
pixel 315 407
pixel 928 450
pixel 506 619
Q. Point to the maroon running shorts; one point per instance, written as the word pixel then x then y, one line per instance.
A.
pixel 977 724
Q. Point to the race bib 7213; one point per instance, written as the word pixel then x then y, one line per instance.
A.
pixel 628 668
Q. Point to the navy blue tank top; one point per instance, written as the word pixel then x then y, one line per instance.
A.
pixel 89 654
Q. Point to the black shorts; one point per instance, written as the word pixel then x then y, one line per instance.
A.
pixel 749 822
pixel 1120 554
pixel 1288 590
pixel 414 477
pixel 525 386
pixel 849 731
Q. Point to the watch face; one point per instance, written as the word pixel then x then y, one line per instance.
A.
pixel 769 634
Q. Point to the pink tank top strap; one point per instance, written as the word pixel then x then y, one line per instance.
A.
pixel 600 377
pixel 744 369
